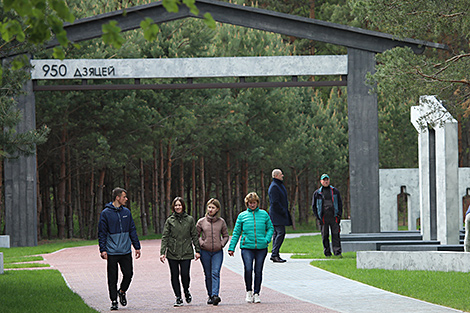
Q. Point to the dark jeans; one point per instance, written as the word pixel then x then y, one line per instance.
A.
pixel 257 256
pixel 125 262
pixel 178 267
pixel 329 222
pixel 212 262
pixel 278 238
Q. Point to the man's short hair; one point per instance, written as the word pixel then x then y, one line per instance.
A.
pixel 117 192
pixel 276 172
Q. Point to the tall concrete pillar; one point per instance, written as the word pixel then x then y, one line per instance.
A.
pixel 438 170
pixel 363 144
pixel 20 182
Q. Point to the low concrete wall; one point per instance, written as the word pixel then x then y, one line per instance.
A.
pixel 1 263
pixel 443 261
pixel 5 241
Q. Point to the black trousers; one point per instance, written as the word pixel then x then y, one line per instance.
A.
pixel 329 222
pixel 177 268
pixel 125 263
pixel 278 238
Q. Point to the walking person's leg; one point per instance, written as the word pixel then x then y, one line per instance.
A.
pixel 112 268
pixel 125 262
pixel 217 259
pixel 207 266
pixel 325 235
pixel 278 238
pixel 185 278
pixel 175 277
pixel 335 238
pixel 260 256
pixel 112 271
pixel 248 258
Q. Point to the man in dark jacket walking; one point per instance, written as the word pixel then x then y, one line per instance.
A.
pixel 116 232
pixel 328 209
pixel 279 212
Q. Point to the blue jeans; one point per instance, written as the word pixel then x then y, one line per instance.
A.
pixel 212 262
pixel 258 256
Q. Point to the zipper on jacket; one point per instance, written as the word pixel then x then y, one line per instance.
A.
pixel 254 219
pixel 212 236
pixel 120 221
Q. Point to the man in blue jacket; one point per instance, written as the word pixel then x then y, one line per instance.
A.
pixel 116 232
pixel 279 212
pixel 328 209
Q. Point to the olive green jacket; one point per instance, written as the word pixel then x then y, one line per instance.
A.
pixel 179 237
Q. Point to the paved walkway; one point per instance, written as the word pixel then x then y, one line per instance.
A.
pixel 294 286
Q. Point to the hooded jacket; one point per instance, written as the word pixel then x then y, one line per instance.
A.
pixel 318 198
pixel 116 231
pixel 179 236
pixel 255 229
pixel 212 232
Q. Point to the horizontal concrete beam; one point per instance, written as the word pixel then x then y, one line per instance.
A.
pixel 444 261
pixel 190 67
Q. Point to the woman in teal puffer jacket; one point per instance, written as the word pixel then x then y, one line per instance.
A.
pixel 255 229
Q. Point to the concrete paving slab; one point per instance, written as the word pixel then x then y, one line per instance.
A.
pixel 294 286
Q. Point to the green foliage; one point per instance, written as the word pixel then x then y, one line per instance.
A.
pixel 150 29
pixel 112 34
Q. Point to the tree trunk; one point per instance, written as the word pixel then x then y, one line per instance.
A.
pixel 168 179
pixel 69 197
pixel 143 216
pixel 218 183
pixel 229 194
pixel 162 210
pixel 238 201
pixel 99 201
pixel 62 185
pixel 38 197
pixel 47 204
pixel 91 204
pixel 181 178
pixel 245 178
pixel 78 204
pixel 202 188
pixel 156 220
pixel 263 191
pixel 194 188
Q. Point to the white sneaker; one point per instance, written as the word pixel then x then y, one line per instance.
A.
pixel 256 298
pixel 249 296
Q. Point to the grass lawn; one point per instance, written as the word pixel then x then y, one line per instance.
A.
pixel 444 288
pixel 38 291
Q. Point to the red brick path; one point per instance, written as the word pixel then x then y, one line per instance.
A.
pixel 150 291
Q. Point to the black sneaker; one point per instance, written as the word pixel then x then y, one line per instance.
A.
pixel 122 298
pixel 216 300
pixel 210 301
pixel 178 302
pixel 188 297
pixel 114 305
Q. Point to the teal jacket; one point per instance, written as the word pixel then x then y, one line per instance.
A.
pixel 255 229
pixel 179 237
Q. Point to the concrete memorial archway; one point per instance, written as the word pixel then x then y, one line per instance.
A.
pixel 362 45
